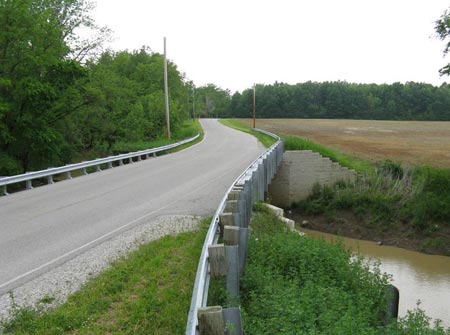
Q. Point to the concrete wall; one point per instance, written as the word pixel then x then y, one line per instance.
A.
pixel 299 171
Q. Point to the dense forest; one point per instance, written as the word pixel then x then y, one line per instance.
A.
pixel 60 95
pixel 337 100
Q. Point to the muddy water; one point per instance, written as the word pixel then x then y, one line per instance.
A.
pixel 418 276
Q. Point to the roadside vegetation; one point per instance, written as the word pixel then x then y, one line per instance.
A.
pixel 63 98
pixel 408 205
pixel 266 140
pixel 300 285
pixel 147 292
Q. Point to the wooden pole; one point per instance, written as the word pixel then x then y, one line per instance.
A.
pixel 166 91
pixel 254 106
pixel 193 102
pixel 210 321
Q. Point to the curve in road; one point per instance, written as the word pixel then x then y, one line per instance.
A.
pixel 44 227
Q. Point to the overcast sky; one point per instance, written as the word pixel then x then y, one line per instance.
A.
pixel 235 43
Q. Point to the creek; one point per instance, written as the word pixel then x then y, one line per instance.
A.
pixel 418 276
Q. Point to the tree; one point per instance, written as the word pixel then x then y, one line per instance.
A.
pixel 442 28
pixel 40 78
pixel 212 101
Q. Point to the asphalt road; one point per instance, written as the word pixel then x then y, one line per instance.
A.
pixel 46 226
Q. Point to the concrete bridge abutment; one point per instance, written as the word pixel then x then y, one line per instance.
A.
pixel 299 171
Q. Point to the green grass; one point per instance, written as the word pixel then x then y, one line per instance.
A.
pixel 297 143
pixel 300 285
pixel 189 129
pixel 148 292
pixel 384 194
pixel 266 140
pixel 389 198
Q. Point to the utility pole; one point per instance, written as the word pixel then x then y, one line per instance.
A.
pixel 193 102
pixel 166 91
pixel 254 105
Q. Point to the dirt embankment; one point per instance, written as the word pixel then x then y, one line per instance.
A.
pixel 346 224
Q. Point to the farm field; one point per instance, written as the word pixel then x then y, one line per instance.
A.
pixel 408 142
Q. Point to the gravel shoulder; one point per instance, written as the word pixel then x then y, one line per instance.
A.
pixel 66 279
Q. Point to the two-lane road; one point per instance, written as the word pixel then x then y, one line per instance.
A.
pixel 44 227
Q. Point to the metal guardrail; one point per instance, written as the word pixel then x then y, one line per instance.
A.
pixel 254 182
pixel 50 172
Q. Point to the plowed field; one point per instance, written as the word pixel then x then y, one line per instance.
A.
pixel 409 142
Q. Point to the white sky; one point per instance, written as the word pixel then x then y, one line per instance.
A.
pixel 235 43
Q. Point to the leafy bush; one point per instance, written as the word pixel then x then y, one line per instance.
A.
pixel 393 169
pixel 431 204
pixel 9 166
pixel 299 285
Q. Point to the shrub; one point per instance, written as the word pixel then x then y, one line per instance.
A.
pixel 299 285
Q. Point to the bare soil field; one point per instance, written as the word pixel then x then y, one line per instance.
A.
pixel 408 142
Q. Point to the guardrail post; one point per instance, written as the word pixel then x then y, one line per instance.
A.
pixel 5 190
pixel 233 321
pixel 28 184
pixel 139 158
pixel 225 219
pixel 231 235
pixel 217 262
pixel 120 162
pixel 50 180
pixel 110 165
pixel 232 260
pixel 210 321
pixel 154 154
pixel 68 175
pixel 130 160
pixel 243 246
pixel 146 156
pixel 231 239
pixel 97 168
pixel 84 171
pixel 231 206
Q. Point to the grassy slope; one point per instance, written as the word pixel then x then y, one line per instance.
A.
pixel 266 140
pixel 417 201
pixel 299 285
pixel 190 129
pixel 148 292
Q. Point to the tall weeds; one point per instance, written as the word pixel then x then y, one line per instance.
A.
pixel 391 194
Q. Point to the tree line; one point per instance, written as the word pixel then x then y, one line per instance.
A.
pixel 338 100
pixel 60 95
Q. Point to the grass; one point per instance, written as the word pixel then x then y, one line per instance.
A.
pixel 299 285
pixel 297 143
pixel 266 140
pixel 148 292
pixel 412 143
pixel 189 129
pixel 385 194
pixel 392 197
